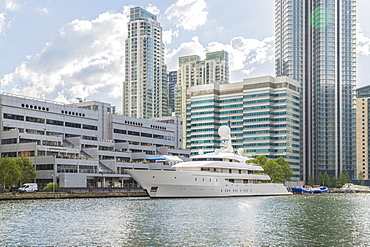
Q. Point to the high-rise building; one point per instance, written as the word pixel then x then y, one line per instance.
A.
pixel 362 132
pixel 172 82
pixel 263 114
pixel 193 71
pixel 145 85
pixel 315 44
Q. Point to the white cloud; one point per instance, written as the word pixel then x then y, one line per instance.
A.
pixel 152 9
pixel 245 55
pixel 193 47
pixel 2 22
pixel 43 11
pixel 188 14
pixel 363 42
pixel 11 5
pixel 167 36
pixel 86 60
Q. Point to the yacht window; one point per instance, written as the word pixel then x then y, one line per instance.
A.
pixel 229 170
pixel 230 160
pixel 214 169
pixel 240 171
pixel 195 179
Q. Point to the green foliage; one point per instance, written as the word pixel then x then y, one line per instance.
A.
pixel 275 171
pixel 27 171
pixel 16 170
pixel 320 178
pixel 326 179
pixel 260 160
pixel 288 173
pixel 9 172
pixel 49 187
pixel 344 178
pixel 311 180
pixel 278 170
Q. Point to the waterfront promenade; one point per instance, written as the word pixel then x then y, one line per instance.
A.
pixel 65 195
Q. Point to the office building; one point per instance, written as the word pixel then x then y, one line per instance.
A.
pixel 362 132
pixel 263 114
pixel 145 85
pixel 84 144
pixel 315 44
pixel 192 71
pixel 172 82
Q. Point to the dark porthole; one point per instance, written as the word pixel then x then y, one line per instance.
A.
pixel 47 109
pixel 31 106
pixel 43 108
pixel 22 105
pixel 83 114
pixel 39 107
pixel 69 113
pixel 73 113
pixel 80 114
pixel 35 107
pixel 26 106
pixel 62 111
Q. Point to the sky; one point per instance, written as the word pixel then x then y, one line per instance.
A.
pixel 61 50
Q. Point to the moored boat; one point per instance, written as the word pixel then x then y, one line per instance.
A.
pixel 310 190
pixel 221 173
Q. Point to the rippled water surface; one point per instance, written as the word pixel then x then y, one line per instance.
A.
pixel 297 220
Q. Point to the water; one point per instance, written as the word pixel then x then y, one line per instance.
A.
pixel 297 220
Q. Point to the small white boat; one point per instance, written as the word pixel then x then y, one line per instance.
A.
pixel 352 188
pixel 218 174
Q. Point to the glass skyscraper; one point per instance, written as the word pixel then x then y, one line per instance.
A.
pixel 316 45
pixel 263 114
pixel 145 85
pixel 172 82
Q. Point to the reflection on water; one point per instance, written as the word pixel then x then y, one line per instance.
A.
pixel 298 220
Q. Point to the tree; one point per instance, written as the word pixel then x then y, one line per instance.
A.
pixel 311 180
pixel 260 160
pixel 275 171
pixel 321 177
pixel 27 172
pixel 286 168
pixel 49 187
pixel 9 172
pixel 343 178
pixel 326 179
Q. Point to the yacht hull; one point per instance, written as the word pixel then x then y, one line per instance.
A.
pixel 176 184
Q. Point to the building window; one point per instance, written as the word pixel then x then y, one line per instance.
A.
pixel 14 117
pixel 73 125
pixel 35 120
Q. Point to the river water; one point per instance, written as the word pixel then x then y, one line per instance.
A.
pixel 297 220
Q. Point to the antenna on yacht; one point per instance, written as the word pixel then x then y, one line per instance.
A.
pixel 224 132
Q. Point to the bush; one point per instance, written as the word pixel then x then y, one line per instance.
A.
pixel 49 187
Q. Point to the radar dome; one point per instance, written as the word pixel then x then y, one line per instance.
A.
pixel 200 151
pixel 240 151
pixel 224 131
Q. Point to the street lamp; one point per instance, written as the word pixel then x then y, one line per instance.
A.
pixel 52 175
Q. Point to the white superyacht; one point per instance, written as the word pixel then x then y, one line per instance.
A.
pixel 218 174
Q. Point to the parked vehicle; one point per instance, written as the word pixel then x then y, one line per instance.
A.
pixel 30 187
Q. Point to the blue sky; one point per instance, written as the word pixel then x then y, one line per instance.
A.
pixel 63 49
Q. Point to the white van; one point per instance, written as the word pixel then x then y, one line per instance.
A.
pixel 30 187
